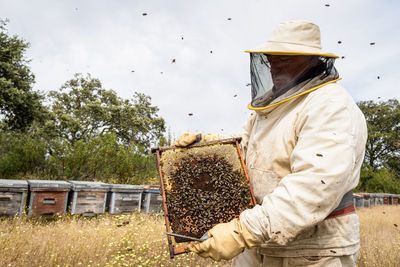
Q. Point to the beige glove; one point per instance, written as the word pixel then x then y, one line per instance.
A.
pixel 226 241
pixel 190 138
pixel 185 139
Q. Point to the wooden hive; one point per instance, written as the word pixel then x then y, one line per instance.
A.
pixel 202 185
pixel 12 197
pixel 47 197
pixel 124 198
pixel 152 200
pixel 374 199
pixel 88 198
pixel 358 200
pixel 386 199
pixel 393 199
pixel 379 198
pixel 396 200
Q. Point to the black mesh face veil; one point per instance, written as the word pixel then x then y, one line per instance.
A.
pixel 263 90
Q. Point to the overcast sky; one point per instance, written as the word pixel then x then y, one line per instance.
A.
pixel 127 51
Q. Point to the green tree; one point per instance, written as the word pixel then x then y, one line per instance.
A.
pixel 378 181
pixel 101 158
pixel 21 155
pixel 82 109
pixel 19 104
pixel 383 144
pixel 381 167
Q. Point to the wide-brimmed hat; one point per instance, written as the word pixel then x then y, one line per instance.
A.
pixel 294 38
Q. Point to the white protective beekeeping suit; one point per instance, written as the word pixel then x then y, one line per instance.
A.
pixel 304 148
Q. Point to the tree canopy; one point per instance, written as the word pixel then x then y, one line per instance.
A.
pixel 89 134
pixel 383 144
pixel 83 109
pixel 19 104
pixel 381 167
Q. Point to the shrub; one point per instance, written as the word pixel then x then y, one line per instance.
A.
pixel 378 181
pixel 20 154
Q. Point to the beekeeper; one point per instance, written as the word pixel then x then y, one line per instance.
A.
pixel 304 145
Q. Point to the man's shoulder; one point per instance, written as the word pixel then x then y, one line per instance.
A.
pixel 332 98
pixel 333 92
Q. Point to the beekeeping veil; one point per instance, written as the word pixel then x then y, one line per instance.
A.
pixel 293 44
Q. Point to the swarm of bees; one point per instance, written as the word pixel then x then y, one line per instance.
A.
pixel 205 190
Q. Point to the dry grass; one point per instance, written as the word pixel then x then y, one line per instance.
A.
pixel 119 240
pixel 380 237
pixel 139 240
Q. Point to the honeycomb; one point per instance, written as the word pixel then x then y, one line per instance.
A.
pixel 203 186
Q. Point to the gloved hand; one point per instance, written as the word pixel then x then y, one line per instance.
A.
pixel 186 139
pixel 226 241
pixel 190 138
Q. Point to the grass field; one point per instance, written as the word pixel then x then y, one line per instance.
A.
pixel 379 236
pixel 139 240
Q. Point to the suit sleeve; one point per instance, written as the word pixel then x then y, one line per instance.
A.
pixel 246 132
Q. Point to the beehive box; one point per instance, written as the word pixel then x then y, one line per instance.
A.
pixel 367 201
pixel 12 197
pixel 379 198
pixel 125 198
pixel 88 198
pixel 358 200
pixel 152 200
pixel 386 199
pixel 396 199
pixel 374 199
pixel 47 197
pixel 393 200
pixel 202 185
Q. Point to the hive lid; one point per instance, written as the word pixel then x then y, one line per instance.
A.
pixel 48 184
pixel 125 187
pixel 84 185
pixel 381 194
pixel 152 190
pixel 4 183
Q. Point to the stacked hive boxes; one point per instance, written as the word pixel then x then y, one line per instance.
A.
pixel 47 197
pixel 152 200
pixel 374 199
pixel 12 197
pixel 88 198
pixel 125 198
pixel 395 199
